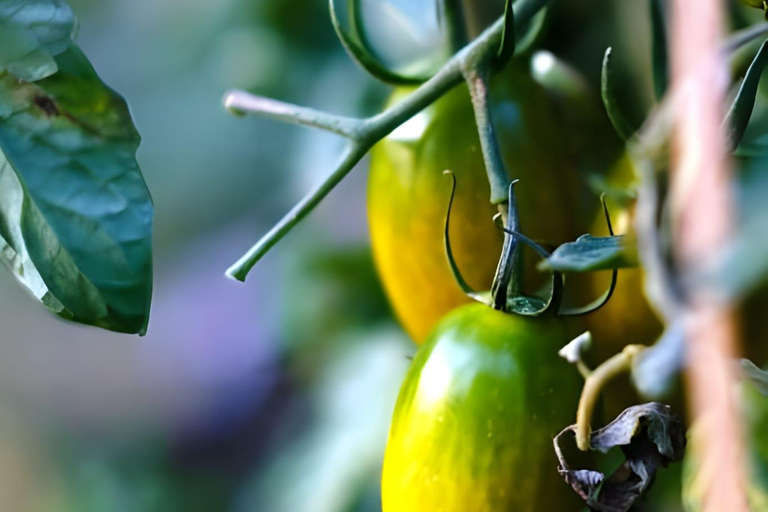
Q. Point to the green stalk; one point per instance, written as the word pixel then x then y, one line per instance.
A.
pixel 364 133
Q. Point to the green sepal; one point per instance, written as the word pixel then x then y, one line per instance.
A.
pixel 738 116
pixel 347 22
pixel 659 49
pixel 612 108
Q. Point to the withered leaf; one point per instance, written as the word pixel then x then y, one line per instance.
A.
pixel 650 437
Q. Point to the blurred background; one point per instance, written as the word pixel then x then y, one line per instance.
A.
pixel 273 395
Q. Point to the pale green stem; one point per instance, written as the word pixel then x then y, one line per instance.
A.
pixel 369 131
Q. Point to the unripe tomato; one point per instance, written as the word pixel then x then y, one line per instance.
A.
pixel 473 426
pixel 408 194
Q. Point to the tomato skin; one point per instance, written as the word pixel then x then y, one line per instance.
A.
pixel 408 194
pixel 473 426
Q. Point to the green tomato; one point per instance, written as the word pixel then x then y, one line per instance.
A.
pixel 408 194
pixel 473 426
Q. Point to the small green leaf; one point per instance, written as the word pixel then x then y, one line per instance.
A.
pixel 737 119
pixel 75 213
pixel 659 48
pixel 32 33
pixel 615 114
pixel 589 253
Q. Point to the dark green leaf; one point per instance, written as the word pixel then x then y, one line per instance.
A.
pixel 737 119
pixel 32 33
pixel 589 253
pixel 659 48
pixel 75 213
pixel 650 437
pixel 615 114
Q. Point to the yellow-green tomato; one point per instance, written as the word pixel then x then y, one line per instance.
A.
pixel 473 426
pixel 408 194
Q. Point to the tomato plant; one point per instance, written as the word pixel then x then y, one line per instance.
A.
pixel 473 425
pixel 407 194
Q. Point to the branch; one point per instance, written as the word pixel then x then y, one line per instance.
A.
pixel 241 102
pixel 364 133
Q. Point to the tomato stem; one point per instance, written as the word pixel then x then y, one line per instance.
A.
pixel 364 133
pixel 594 384
pixel 241 102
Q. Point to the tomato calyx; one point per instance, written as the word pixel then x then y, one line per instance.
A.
pixel 506 294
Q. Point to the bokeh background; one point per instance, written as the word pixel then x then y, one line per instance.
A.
pixel 269 396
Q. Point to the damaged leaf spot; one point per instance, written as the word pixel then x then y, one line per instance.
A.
pixel 650 437
pixel 47 105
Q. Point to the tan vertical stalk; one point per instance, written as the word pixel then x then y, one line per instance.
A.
pixel 703 217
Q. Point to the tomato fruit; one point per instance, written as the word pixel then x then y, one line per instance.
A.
pixel 408 194
pixel 473 426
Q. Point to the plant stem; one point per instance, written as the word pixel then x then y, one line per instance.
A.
pixel 241 102
pixel 702 218
pixel 370 130
pixel 594 384
pixel 353 154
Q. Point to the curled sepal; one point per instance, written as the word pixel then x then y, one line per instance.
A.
pixel 346 18
pixel 659 49
pixel 526 40
pixel 527 305
pixel 596 256
pixel 465 287
pixel 615 114
pixel 508 42
pixel 741 110
pixel 649 436
pixel 507 271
